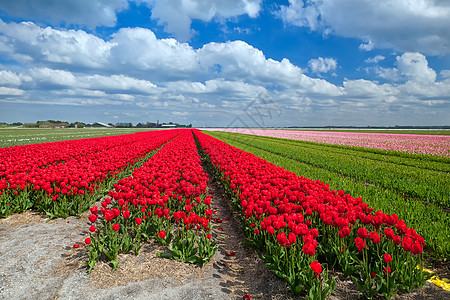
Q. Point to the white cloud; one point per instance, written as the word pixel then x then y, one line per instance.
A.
pixel 322 65
pixel 180 114
pixel 90 13
pixel 139 48
pixel 239 60
pixel 47 76
pixel 6 91
pixel 299 14
pixel 29 42
pixel 9 78
pixel 376 59
pixel 411 66
pixel 414 66
pixel 445 74
pixel 363 89
pixel 139 72
pixel 369 46
pixel 118 83
pixel 217 86
pixel 176 16
pixel 391 74
pixel 404 25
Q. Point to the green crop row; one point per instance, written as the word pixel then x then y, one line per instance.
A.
pixel 414 160
pixel 422 184
pixel 429 220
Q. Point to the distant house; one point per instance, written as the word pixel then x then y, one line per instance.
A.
pixel 101 125
pixel 168 126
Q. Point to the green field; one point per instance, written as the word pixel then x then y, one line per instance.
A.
pixel 25 136
pixel 417 188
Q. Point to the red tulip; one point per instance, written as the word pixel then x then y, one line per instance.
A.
pixel 316 267
pixel 360 243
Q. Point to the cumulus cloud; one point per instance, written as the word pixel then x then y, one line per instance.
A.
pixel 414 66
pixel 407 26
pixel 138 50
pixel 176 16
pixel 369 46
pixel 28 42
pixel 7 91
pixel 411 66
pixel 90 13
pixel 376 59
pixel 136 70
pixel 8 78
pixel 322 65
pixel 239 60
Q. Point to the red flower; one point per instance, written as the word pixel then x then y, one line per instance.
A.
pixel 360 243
pixel 362 233
pixel 387 258
pixel 92 218
pixel 309 249
pixel 375 237
pixel 389 232
pixel 92 228
pixel 76 246
pixel 87 241
pixel 417 247
pixel 116 227
pixel 162 234
pixel 387 270
pixel 138 221
pixel 94 210
pixel 372 274
pixel 345 231
pixel 126 214
pixel 316 267
pixel 407 243
pixel 247 297
pixel 208 236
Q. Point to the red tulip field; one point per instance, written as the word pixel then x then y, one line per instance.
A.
pixel 315 215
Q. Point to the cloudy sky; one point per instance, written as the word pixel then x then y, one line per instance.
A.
pixel 226 63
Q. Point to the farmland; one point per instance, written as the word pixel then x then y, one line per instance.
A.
pixel 310 209
pixel 416 189
pixel 23 136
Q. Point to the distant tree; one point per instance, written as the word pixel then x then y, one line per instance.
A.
pixel 30 125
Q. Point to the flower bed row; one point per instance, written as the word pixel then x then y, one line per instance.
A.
pixel 302 227
pixel 62 186
pixel 410 143
pixel 165 199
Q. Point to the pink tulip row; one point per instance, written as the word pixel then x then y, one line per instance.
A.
pixel 411 143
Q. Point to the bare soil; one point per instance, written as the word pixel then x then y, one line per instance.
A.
pixel 38 261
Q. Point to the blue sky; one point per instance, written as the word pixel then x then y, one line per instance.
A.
pixel 226 63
